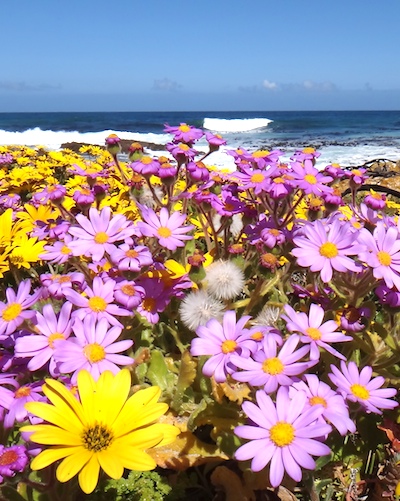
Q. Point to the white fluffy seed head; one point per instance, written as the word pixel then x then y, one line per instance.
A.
pixel 198 308
pixel 146 197
pixel 225 280
pixel 269 315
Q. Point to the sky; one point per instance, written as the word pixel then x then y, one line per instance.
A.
pixel 205 55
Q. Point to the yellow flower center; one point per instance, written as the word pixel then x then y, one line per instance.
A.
pixel 101 237
pixel 128 289
pixel 184 128
pixel 229 346
pixel 8 457
pixel 97 437
pixel 11 312
pixel 16 258
pixel 317 400
pixel 53 337
pixel 94 352
pixel 164 232
pixel 63 280
pixel 309 149
pixel 384 258
pixel 329 250
pixel 310 178
pixel 146 160
pixel 272 366
pixel 97 304
pixel 257 177
pixel 149 304
pixel 360 391
pixel 279 180
pixel 131 253
pixel 24 391
pixel 65 250
pixel 356 172
pixel 257 336
pixel 260 153
pixel 314 333
pixel 282 434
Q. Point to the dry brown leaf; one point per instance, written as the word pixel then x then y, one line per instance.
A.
pixel 186 451
pixel 231 484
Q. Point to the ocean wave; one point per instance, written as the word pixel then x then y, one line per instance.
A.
pixel 54 139
pixel 235 124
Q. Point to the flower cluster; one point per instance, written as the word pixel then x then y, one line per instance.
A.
pixel 260 302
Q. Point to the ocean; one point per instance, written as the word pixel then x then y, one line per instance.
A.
pixel 349 138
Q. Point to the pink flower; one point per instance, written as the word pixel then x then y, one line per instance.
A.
pixel 326 248
pixel 359 387
pixel 93 349
pixel 270 368
pixel 222 341
pixel 97 302
pixel 285 434
pixel 184 132
pixel 335 409
pixel 40 347
pixel 16 310
pixel 167 229
pixel 382 253
pixel 314 332
pixel 309 179
pixel 98 234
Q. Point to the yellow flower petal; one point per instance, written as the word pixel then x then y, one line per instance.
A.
pixel 169 432
pixel 89 475
pixel 135 459
pixel 66 419
pixel 140 439
pixel 131 417
pixel 63 399
pixel 110 462
pixel 48 434
pixel 50 456
pixel 71 465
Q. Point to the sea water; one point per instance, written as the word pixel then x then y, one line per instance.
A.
pixel 349 138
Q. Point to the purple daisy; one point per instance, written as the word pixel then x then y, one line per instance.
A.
pixel 325 248
pixel 309 179
pixel 98 234
pixel 56 285
pixel 93 349
pixel 167 229
pixel 269 368
pixel 16 409
pixel 336 411
pixel 285 434
pixel 382 253
pixel 359 387
pixel 128 258
pixel 222 341
pixel 147 166
pixel 184 132
pixel 12 460
pixel 128 294
pixel 59 252
pixel 40 347
pixel 314 332
pixel 16 310
pixel 97 302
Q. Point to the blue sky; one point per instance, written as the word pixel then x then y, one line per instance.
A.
pixel 165 55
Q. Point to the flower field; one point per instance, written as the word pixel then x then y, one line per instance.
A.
pixel 170 331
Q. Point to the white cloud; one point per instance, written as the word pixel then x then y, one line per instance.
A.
pixel 166 85
pixel 269 85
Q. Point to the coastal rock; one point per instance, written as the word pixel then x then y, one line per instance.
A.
pixel 125 143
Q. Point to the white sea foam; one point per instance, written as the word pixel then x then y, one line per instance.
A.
pixel 235 125
pixel 54 139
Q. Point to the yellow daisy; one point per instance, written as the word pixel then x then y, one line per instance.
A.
pixel 106 429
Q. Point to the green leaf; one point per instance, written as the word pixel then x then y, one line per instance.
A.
pixel 159 374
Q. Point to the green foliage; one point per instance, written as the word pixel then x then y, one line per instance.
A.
pixel 138 486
